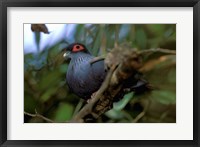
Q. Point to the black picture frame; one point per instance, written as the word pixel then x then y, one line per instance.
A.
pixel 4 4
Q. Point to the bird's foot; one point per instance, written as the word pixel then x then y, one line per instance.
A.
pixel 88 100
pixel 92 96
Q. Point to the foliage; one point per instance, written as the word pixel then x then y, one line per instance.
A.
pixel 45 88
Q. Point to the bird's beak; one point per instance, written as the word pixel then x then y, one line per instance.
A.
pixel 66 55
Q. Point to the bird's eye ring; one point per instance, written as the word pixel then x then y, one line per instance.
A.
pixel 77 48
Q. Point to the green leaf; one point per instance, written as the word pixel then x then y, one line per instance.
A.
pixel 114 114
pixel 64 112
pixel 63 68
pixel 164 96
pixel 158 29
pixel 122 103
pixel 47 94
pixel 37 40
pixel 50 79
pixel 79 35
pixel 29 104
pixel 96 43
pixel 141 38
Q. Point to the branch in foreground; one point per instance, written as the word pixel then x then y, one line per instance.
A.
pixel 39 116
pixel 121 64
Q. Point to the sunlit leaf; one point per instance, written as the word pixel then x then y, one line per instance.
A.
pixel 122 103
pixel 47 94
pixel 64 112
pixel 113 114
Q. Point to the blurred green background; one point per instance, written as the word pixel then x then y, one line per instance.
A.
pixel 45 88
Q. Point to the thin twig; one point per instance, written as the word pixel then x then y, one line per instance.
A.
pixel 139 116
pixel 168 51
pixel 39 116
pixel 78 107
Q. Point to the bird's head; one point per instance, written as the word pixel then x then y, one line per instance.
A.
pixel 73 49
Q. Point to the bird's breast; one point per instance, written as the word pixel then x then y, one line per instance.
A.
pixel 80 79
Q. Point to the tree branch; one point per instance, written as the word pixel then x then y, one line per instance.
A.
pixel 39 116
pixel 122 63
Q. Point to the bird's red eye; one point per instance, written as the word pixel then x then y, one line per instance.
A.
pixel 77 48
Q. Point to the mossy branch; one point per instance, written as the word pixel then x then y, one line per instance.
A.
pixel 121 63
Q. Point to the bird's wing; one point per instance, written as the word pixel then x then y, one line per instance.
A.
pixel 96 59
pixel 98 69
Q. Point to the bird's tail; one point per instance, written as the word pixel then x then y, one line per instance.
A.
pixel 142 86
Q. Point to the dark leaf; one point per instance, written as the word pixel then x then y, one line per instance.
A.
pixel 39 28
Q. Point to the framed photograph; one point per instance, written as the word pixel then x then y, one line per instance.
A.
pixel 110 73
